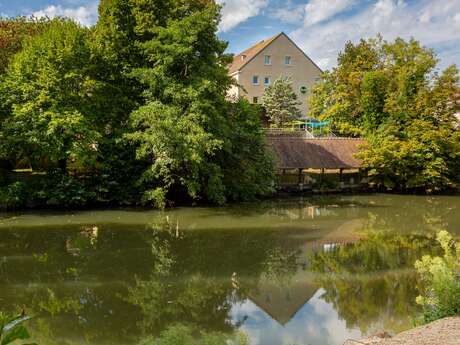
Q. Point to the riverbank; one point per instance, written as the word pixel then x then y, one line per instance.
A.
pixel 440 332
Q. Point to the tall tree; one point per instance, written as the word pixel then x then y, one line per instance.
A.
pixel 183 131
pixel 140 94
pixel 13 32
pixel 392 94
pixel 51 95
pixel 280 102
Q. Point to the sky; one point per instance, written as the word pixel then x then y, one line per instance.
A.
pixel 320 27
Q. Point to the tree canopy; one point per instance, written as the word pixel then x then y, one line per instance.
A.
pixel 13 32
pixel 392 94
pixel 137 102
pixel 280 102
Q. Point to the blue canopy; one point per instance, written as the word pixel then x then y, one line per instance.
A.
pixel 317 124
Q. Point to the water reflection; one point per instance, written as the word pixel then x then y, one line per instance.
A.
pixel 316 322
pixel 298 271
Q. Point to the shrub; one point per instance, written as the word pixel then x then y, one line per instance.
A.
pixel 13 195
pixel 441 280
pixel 62 190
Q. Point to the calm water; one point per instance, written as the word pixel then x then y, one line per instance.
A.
pixel 305 271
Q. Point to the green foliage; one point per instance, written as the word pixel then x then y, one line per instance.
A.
pixel 280 102
pixel 185 130
pixel 13 195
pixel 132 110
pixel 12 330
pixel 426 157
pixel 247 165
pixel 441 276
pixel 13 32
pixel 48 93
pixel 391 93
pixel 62 190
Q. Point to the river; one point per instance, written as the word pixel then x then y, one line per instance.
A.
pixel 315 270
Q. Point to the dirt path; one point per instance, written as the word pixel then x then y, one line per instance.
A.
pixel 441 332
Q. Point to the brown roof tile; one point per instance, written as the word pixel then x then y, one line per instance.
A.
pixel 251 52
pixel 328 153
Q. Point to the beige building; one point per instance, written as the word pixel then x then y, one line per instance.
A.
pixel 273 58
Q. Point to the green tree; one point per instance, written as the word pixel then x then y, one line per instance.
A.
pixel 66 105
pixel 48 93
pixel 13 32
pixel 184 131
pixel 280 102
pixel 247 165
pixel 137 103
pixel 391 93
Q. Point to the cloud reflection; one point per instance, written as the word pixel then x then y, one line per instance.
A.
pixel 316 323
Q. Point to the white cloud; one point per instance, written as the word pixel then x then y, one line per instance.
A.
pixel 85 15
pixel 238 11
pixel 290 13
pixel 317 11
pixel 457 20
pixel 426 21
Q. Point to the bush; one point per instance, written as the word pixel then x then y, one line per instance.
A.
pixel 441 278
pixel 62 190
pixel 13 195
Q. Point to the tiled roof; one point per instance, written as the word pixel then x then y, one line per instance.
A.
pixel 239 62
pixel 321 153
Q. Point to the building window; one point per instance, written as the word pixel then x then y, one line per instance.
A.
pixel 255 100
pixel 267 60
pixel 267 81
pixel 287 60
pixel 243 57
pixel 255 80
pixel 303 90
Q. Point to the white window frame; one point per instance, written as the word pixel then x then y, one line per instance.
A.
pixel 290 60
pixel 253 78
pixel 269 60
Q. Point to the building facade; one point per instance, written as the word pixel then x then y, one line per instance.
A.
pixel 278 57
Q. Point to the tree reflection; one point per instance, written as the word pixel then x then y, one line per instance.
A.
pixel 112 283
pixel 197 288
pixel 68 282
pixel 371 283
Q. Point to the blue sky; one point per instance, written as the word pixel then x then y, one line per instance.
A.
pixel 319 27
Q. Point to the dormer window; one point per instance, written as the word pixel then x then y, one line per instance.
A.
pixel 287 60
pixel 267 60
pixel 243 57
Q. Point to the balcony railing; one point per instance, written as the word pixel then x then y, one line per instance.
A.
pixel 299 132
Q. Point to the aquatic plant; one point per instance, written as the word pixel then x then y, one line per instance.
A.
pixel 441 277
pixel 12 329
